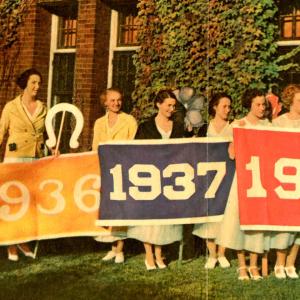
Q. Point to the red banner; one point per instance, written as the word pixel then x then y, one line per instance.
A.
pixel 268 177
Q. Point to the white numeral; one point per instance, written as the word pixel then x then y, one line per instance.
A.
pixel 56 194
pixel 22 197
pixel 292 179
pixel 186 181
pixel 93 193
pixel 220 167
pixel 256 190
pixel 153 182
pixel 118 193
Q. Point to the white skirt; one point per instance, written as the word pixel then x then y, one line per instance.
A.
pixel 208 230
pixel 230 235
pixel 156 234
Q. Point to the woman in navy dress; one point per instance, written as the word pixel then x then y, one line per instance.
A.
pixel 161 126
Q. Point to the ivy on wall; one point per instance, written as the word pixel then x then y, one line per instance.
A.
pixel 12 14
pixel 212 46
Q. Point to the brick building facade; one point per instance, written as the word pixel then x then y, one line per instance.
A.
pixel 84 46
pixel 75 72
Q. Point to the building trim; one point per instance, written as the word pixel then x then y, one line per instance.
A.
pixel 289 43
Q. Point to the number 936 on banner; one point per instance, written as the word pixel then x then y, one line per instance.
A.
pixel 50 197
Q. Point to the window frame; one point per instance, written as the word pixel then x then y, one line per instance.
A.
pixel 294 15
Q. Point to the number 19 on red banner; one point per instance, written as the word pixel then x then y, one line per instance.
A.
pixel 257 189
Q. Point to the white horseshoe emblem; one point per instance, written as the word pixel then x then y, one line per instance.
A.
pixel 51 142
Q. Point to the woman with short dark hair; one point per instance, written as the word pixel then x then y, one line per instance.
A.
pixel 23 119
pixel 218 108
pixel 161 126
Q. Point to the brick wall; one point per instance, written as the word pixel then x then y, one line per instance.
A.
pixel 92 52
pixel 32 50
pixel 91 64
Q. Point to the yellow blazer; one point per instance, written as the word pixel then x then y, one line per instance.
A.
pixel 25 137
pixel 124 129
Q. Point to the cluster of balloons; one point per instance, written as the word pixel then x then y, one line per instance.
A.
pixel 193 105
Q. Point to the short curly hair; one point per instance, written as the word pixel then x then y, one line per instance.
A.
pixel 24 77
pixel 289 93
pixel 249 95
pixel 164 94
pixel 215 100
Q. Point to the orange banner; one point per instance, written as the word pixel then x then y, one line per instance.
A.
pixel 50 198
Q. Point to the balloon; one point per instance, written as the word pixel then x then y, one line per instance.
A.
pixel 185 94
pixel 193 104
pixel 194 118
pixel 196 103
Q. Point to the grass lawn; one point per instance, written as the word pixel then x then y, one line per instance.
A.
pixel 80 274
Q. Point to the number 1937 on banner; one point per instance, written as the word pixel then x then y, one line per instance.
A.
pixel 156 181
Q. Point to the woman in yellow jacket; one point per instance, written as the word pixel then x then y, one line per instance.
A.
pixel 115 125
pixel 23 119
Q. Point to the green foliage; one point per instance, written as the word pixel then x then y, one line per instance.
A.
pixel 11 13
pixel 211 45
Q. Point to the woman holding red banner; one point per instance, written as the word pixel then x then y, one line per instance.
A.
pixel 160 126
pixel 231 236
pixel 115 125
pixel 285 264
pixel 219 109
pixel 23 119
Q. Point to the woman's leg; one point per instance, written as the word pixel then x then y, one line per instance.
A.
pixel 119 252
pixel 119 246
pixel 224 263
pixel 221 251
pixel 280 257
pixel 12 252
pixel 290 262
pixel 158 255
pixel 280 263
pixel 212 257
pixel 242 269
pixel 149 254
pixel 291 258
pixel 253 269
pixel 24 248
pixel 212 248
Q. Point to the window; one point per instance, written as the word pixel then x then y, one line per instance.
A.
pixel 61 72
pixel 289 22
pixel 123 46
pixel 293 75
pixel 124 76
pixel 128 29
pixel 67 31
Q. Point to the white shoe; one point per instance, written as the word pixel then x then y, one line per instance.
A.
pixel 161 265
pixel 148 267
pixel 245 276
pixel 252 276
pixel 13 257
pixel 279 272
pixel 210 263
pixel 119 258
pixel 110 255
pixel 26 253
pixel 291 272
pixel 224 263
